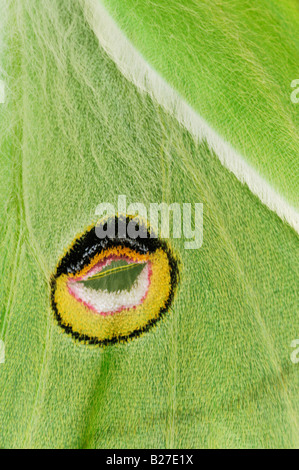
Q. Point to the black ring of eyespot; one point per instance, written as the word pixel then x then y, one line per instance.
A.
pixel 81 253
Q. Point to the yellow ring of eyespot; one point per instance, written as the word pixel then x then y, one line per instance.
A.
pixel 84 321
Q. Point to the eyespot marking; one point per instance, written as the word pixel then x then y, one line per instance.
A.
pixel 108 290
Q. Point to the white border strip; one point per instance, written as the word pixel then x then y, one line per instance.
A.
pixel 135 68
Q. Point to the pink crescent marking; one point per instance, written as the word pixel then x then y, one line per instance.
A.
pixel 99 267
